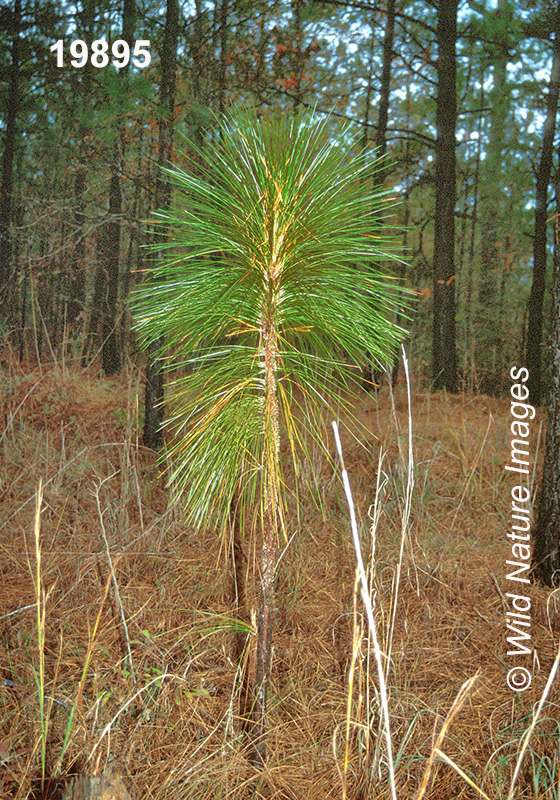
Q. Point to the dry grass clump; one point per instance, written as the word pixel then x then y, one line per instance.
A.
pixel 124 621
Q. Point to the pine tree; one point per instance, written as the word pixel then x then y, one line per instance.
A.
pixel 274 283
pixel 444 349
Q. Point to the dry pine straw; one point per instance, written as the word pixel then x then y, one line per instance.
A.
pixel 78 433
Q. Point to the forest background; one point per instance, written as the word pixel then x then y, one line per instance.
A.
pixel 81 148
pixel 461 99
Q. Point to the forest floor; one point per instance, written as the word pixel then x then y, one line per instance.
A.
pixel 129 656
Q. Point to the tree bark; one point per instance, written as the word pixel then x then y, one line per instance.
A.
pixel 469 293
pixel 385 90
pixel 538 286
pixel 111 238
pixel 299 58
pixel 196 50
pixel 154 393
pixel 270 523
pixel 490 336
pixel 76 278
pixel 444 352
pixel 400 317
pixel 546 532
pixel 8 157
pixel 111 349
pixel 222 74
pixel 153 398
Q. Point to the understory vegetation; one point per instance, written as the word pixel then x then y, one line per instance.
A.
pixel 118 634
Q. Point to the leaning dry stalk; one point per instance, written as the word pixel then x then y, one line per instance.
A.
pixel 462 695
pixel 532 726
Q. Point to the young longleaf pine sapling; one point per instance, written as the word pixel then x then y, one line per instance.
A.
pixel 268 293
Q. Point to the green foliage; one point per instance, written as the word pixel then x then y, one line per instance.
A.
pixel 268 265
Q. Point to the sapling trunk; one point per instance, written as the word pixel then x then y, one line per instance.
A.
pixel 269 516
pixel 264 640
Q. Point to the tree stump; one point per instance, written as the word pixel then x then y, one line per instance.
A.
pixel 108 786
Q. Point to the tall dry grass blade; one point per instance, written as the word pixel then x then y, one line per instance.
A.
pixel 405 520
pixel 77 700
pixel 358 630
pixel 379 655
pixel 40 603
pixel 461 772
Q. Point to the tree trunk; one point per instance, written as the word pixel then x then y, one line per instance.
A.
pixel 369 381
pixel 489 335
pixel 91 348
pixel 265 623
pixel 469 292
pixel 153 398
pixel 111 350
pixel 385 90
pixel 546 532
pixel 154 395
pixel 76 279
pixel 111 238
pixel 196 50
pixel 538 286
pixel 444 352
pixel 7 182
pixel 270 523
pixel 23 311
pixel 400 317
pixel 299 58
pixel 222 74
